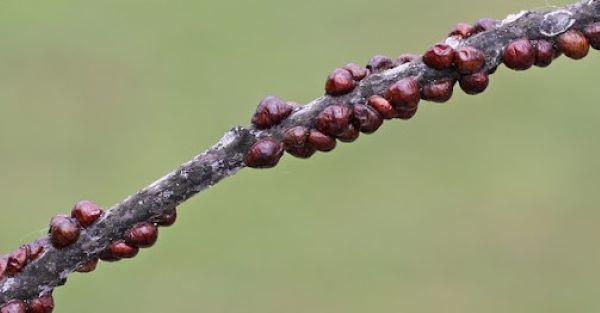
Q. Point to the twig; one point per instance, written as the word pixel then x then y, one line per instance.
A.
pixel 52 268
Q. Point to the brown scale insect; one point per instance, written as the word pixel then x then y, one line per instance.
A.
pixel 107 257
pixel 404 94
pixel 519 55
pixel 358 72
pixel 14 306
pixel 320 141
pixel 407 114
pixel 367 119
pixel 592 32
pixel 380 63
pixel 64 231
pixel 462 30
pixel 334 120
pixel 485 24
pixel 475 83
pixel 544 53
pixel 573 44
pixel 142 235
pixel 350 134
pixel 168 218
pixel 121 250
pixel 86 212
pixel 469 60
pixel 271 111
pixel 438 91
pixel 265 153
pixel 340 82
pixel 384 107
pixel 16 261
pixel 35 249
pixel 295 142
pixel 439 57
pixel 41 305
pixel 87 267
pixel 406 58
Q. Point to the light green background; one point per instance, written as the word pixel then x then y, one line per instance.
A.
pixel 486 204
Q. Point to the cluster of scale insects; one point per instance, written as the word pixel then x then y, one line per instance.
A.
pixel 65 231
pixel 344 122
pixel 336 122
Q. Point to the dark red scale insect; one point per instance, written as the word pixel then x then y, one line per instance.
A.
pixel 14 306
pixel 463 31
pixel 64 231
pixel 544 53
pixel 271 111
pixel 35 250
pixel 320 141
pixel 573 44
pixel 380 63
pixel 334 120
pixel 485 24
pixel 142 235
pixel 519 55
pixel 475 83
pixel 439 57
pixel 407 58
pixel 382 106
pixel 168 218
pixel 367 119
pixel 592 32
pixel 340 82
pixel 17 260
pixel 350 134
pixel 122 250
pixel 407 114
pixel 86 212
pixel 265 153
pixel 469 60
pixel 404 94
pixel 438 91
pixel 87 267
pixel 358 72
pixel 295 142
pixel 41 305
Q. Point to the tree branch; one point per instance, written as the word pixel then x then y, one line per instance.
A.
pixel 53 266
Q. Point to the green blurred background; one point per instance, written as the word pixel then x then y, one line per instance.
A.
pixel 486 204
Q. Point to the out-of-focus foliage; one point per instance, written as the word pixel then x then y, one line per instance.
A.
pixel 486 204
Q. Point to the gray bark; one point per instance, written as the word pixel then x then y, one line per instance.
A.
pixel 226 157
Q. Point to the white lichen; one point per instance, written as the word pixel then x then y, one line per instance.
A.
pixel 557 22
pixel 396 70
pixel 7 284
pixel 453 42
pixel 513 17
pixel 229 137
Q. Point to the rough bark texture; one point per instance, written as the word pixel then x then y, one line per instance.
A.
pixel 226 157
